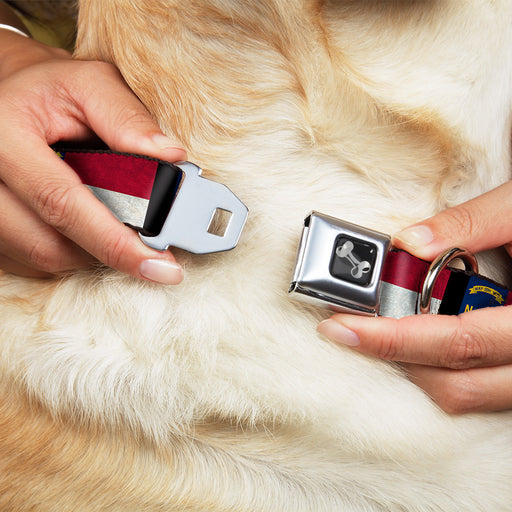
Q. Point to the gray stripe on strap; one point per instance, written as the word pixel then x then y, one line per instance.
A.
pixel 397 302
pixel 128 209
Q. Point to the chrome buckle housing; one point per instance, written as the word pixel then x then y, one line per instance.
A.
pixel 191 214
pixel 339 265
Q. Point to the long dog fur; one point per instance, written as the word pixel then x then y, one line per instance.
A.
pixel 218 395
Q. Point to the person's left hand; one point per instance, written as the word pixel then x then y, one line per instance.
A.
pixel 463 362
pixel 50 223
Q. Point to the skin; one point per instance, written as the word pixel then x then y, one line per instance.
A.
pixel 463 362
pixel 49 222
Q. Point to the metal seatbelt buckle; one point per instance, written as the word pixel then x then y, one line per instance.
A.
pixel 339 265
pixel 197 205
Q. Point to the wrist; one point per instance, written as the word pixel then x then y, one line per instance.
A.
pixel 11 28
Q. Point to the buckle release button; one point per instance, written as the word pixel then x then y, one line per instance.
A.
pixel 353 260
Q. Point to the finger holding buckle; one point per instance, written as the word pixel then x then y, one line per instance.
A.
pixel 479 224
pixel 439 349
pixel 69 209
pixel 474 339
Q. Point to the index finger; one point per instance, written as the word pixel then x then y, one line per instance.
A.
pixel 474 339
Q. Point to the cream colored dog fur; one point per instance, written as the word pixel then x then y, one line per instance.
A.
pixel 217 394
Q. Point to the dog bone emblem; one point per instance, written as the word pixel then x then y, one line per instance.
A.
pixel 358 267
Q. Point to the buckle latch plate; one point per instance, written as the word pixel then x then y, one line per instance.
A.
pixel 190 216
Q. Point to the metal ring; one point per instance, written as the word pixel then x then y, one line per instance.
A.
pixel 435 269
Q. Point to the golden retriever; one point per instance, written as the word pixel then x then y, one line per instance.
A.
pixel 217 394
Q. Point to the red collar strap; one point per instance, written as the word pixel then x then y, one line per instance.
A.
pixel 353 269
pixel 169 204
pixel 454 291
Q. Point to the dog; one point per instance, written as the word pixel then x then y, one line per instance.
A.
pixel 218 394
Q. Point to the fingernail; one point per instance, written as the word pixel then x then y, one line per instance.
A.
pixel 161 271
pixel 164 143
pixel 416 236
pixel 338 333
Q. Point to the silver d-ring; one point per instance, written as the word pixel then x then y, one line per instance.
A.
pixel 435 269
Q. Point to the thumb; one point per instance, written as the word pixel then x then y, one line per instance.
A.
pixel 479 224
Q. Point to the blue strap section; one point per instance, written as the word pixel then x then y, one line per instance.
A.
pixel 481 293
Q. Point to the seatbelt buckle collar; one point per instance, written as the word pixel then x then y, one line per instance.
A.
pixel 193 212
pixel 168 204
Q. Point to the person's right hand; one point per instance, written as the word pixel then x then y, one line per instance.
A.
pixel 463 362
pixel 49 221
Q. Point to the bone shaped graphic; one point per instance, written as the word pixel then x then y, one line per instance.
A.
pixel 358 267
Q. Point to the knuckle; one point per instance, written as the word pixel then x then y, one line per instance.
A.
pixel 116 250
pixel 461 220
pixel 460 394
pixel 133 117
pixel 78 82
pixel 43 257
pixel 53 203
pixel 386 349
pixel 60 53
pixel 389 346
pixel 465 349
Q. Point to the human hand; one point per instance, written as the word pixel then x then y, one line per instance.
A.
pixel 49 221
pixel 463 362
